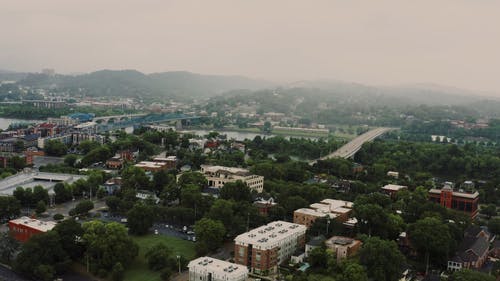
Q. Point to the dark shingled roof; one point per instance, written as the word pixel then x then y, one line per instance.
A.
pixel 317 241
pixel 471 249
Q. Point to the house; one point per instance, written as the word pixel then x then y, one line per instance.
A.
pixel 112 185
pixel 24 228
pixel 264 206
pixel 473 251
pixel 343 247
pixel 147 195
pixel 314 243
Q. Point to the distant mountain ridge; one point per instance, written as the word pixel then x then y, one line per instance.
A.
pixel 132 83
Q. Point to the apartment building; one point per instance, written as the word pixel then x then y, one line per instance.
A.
pixel 343 247
pixel 264 248
pixel 329 208
pixel 210 269
pixel 218 176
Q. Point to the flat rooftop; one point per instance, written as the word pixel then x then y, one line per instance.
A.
pixel 32 178
pixel 218 267
pixel 457 193
pixel 270 235
pixel 393 187
pixel 316 213
pixel 42 226
pixel 230 170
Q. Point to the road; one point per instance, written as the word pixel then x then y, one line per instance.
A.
pixel 350 148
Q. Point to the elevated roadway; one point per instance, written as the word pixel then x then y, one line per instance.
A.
pixel 349 149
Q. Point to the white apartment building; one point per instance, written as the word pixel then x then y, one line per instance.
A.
pixel 218 176
pixel 210 269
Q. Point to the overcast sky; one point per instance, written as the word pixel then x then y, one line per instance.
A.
pixel 451 42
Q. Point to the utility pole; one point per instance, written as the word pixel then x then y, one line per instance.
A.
pixel 248 221
pixel 179 262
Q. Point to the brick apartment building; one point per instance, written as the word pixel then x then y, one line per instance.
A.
pixel 264 248
pixel 456 200
pixel 23 228
pixel 343 247
pixel 331 208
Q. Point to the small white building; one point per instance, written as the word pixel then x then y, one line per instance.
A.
pixel 210 269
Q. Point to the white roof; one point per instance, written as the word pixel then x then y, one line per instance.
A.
pixel 149 164
pixel 43 226
pixel 270 235
pixel 232 170
pixel 218 267
pixel 393 187
pixel 312 212
pixel 334 203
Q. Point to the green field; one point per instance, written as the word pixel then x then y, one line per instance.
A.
pixel 139 271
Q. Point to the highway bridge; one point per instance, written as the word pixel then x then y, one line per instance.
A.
pixel 110 123
pixel 349 149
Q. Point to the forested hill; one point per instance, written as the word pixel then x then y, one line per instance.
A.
pixel 131 83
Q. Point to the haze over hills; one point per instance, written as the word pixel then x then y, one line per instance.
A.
pixel 183 84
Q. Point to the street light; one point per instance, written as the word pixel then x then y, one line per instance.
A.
pixel 179 262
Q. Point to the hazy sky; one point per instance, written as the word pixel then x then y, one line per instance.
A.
pixel 452 42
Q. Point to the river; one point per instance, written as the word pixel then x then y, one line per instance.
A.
pixel 5 122
pixel 240 136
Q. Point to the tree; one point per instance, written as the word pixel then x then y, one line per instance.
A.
pixel 382 259
pixel 8 247
pixel 318 258
pixel 70 233
pixel 40 207
pixel 108 244
pixel 159 257
pixel 237 191
pixel 490 210
pixel 192 178
pixel 470 275
pixel 494 225
pixel 62 193
pixel 55 148
pixel 209 233
pixel 39 194
pixel 118 272
pixel 9 207
pixel 42 256
pixel 135 178
pixel 140 219
pixel 113 203
pixel 70 160
pixel 83 207
pixel 161 179
pixel 353 272
pixel 430 237
pixel 17 162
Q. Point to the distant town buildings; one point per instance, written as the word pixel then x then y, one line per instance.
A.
pixel 328 208
pixel 158 164
pixel 264 248
pixel 218 176
pixel 210 269
pixel 24 228
pixel 458 200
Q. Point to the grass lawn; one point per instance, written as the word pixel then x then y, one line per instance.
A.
pixel 139 271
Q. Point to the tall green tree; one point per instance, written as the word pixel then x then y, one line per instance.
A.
pixel 209 233
pixel 382 259
pixel 140 219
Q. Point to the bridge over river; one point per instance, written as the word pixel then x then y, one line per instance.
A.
pixel 349 149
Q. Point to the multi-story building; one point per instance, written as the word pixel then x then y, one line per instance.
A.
pixel 210 269
pixel 264 248
pixel 328 208
pixel 343 247
pixel 23 228
pixel 458 200
pixel 218 176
